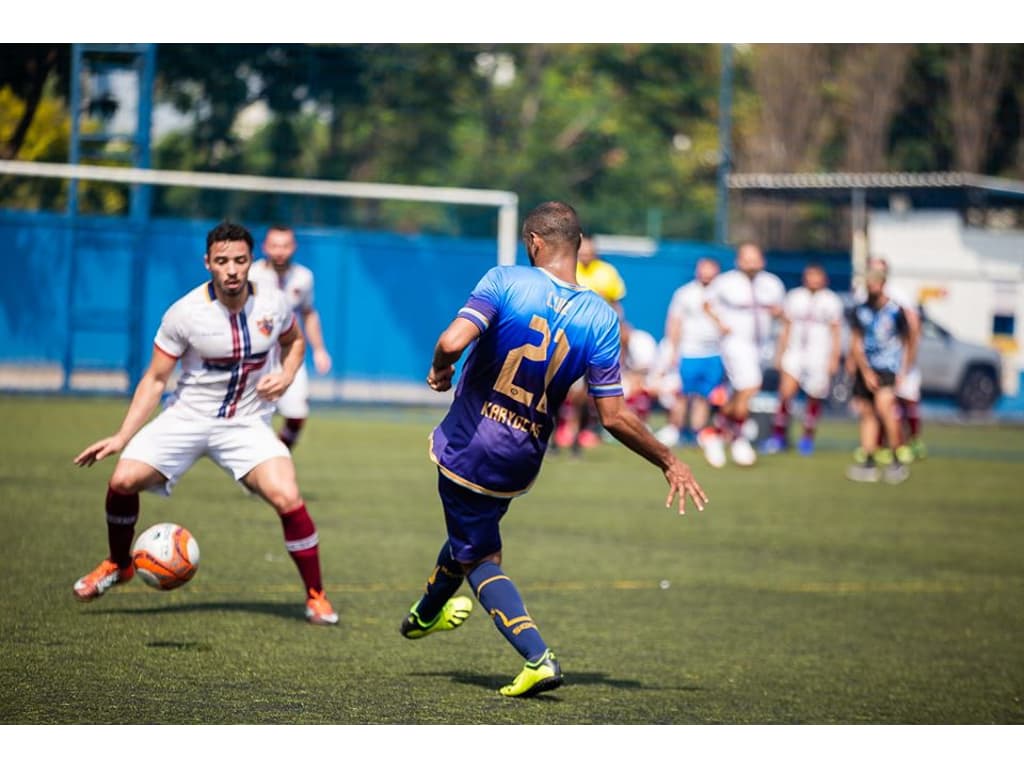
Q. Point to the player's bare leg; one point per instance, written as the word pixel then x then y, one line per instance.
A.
pixel 129 478
pixel 274 481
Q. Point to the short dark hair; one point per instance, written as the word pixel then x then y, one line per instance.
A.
pixel 280 228
pixel 554 221
pixel 228 231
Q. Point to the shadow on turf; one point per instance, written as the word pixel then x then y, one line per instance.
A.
pixel 491 682
pixel 283 610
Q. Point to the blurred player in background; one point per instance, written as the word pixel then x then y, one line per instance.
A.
pixel 908 389
pixel 224 333
pixel 883 349
pixel 694 344
pixel 278 270
pixel 577 418
pixel 533 332
pixel 807 356
pixel 743 303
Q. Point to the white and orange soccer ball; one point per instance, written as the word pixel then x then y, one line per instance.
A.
pixel 166 556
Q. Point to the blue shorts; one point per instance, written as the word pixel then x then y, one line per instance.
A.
pixel 701 375
pixel 472 520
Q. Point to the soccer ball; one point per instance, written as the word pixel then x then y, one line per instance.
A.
pixel 165 556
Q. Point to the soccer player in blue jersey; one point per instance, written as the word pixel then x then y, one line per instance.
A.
pixel 534 332
pixel 882 347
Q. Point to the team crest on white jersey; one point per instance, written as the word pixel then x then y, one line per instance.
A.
pixel 265 325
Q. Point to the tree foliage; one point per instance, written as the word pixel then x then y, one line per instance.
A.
pixel 627 132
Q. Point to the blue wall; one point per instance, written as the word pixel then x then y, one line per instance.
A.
pixel 383 298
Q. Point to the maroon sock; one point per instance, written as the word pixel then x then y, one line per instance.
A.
pixel 811 416
pixel 302 542
pixel 912 415
pixel 122 514
pixel 781 422
pixel 289 434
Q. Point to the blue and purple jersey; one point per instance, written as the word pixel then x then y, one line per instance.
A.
pixel 538 335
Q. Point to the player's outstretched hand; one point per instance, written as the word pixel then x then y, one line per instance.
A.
pixel 441 380
pixel 99 451
pixel 682 483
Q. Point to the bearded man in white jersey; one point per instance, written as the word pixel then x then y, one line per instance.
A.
pixel 223 333
pixel 743 303
pixel 279 270
pixel 807 356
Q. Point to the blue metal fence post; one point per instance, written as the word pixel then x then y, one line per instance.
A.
pixel 724 145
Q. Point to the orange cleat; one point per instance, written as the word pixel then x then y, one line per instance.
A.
pixel 319 609
pixel 100 579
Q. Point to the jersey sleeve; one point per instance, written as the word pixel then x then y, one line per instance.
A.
pixel 285 314
pixel 484 302
pixel 171 336
pixel 604 377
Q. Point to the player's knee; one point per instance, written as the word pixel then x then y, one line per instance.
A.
pixel 124 481
pixel 284 499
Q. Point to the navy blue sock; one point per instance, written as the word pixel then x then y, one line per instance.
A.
pixel 499 596
pixel 443 583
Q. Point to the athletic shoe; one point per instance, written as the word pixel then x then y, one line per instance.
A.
pixel 538 676
pixel 860 456
pixel 743 452
pixel 918 447
pixel 773 445
pixel 806 446
pixel 713 446
pixel 863 473
pixel 588 438
pixel 319 609
pixel 100 579
pixel 895 473
pixel 454 613
pixel 905 454
pixel 883 457
pixel 668 435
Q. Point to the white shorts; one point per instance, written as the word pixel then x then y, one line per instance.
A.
pixel 742 362
pixel 810 371
pixel 294 403
pixel 909 387
pixel 173 441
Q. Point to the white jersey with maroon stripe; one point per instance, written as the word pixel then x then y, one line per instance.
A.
pixel 223 354
pixel 812 315
pixel 745 305
pixel 296 283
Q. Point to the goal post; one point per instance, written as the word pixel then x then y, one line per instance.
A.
pixel 84 321
pixel 506 202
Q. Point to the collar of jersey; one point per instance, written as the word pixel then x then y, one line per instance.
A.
pixel 212 294
pixel 570 286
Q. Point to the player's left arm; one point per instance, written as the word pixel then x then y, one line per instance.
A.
pixel 835 331
pixel 449 348
pixel 293 352
pixel 913 339
pixel 629 430
pixel 315 335
pixel 911 331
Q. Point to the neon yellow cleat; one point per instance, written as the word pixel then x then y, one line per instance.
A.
pixel 454 613
pixel 538 676
pixel 905 454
